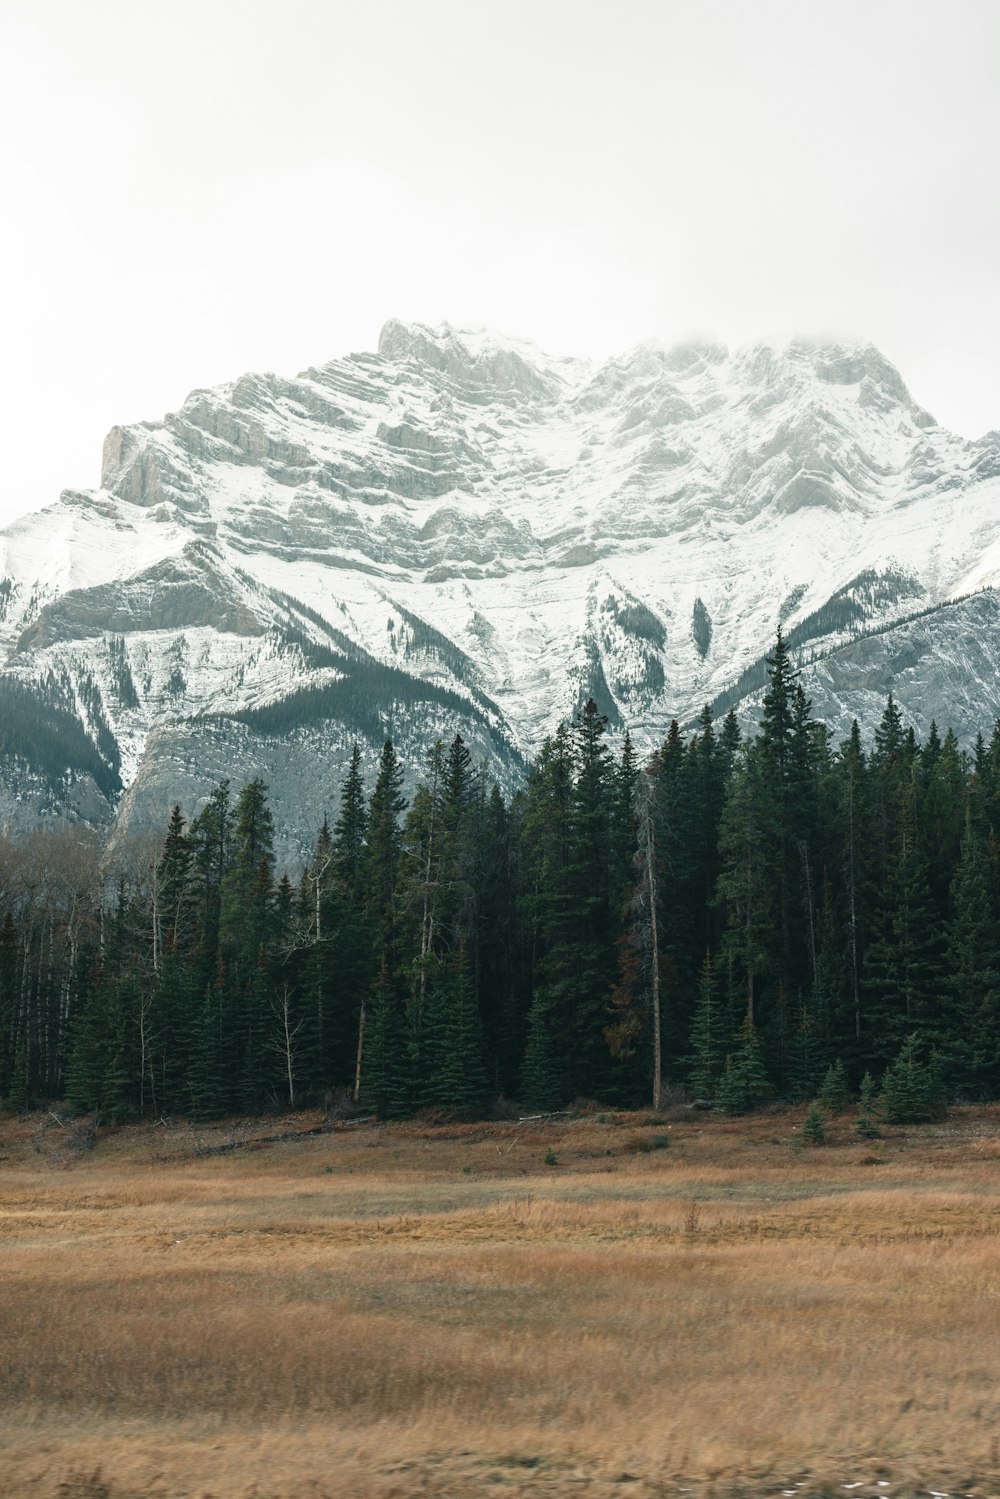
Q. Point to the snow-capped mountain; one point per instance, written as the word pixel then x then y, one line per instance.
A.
pixel 460 532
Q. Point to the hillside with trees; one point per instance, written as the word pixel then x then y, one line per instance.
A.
pixel 741 918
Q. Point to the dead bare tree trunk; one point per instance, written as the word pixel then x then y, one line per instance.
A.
pixel 361 1046
pixel 285 1043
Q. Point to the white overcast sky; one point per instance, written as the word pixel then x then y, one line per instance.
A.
pixel 191 190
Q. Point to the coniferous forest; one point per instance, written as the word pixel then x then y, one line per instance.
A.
pixel 746 919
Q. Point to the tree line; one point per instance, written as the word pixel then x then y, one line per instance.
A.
pixel 744 917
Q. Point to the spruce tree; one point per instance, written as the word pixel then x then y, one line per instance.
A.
pixel 968 1031
pixel 386 1082
pixel 382 1033
pixel 903 964
pixel 744 1081
pixel 711 1036
pixel 175 886
pixel 911 1089
pixel 866 1121
pixel 835 1092
pixel 456 1078
pixel 814 1125
pixel 541 1074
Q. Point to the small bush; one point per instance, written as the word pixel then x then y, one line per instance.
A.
pixel 551 1159
pixel 645 1143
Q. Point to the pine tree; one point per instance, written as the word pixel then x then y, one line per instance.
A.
pixel 711 1037
pixel 382 1037
pixel 968 1030
pixel 210 834
pixel 835 1092
pixel 342 968
pixel 807 1047
pixel 814 1125
pixel 541 1074
pixel 911 1089
pixel 386 1084
pixel 175 887
pixel 903 964
pixel 548 905
pixel 456 1078
pixel 595 887
pixel 744 1081
pixel 865 1122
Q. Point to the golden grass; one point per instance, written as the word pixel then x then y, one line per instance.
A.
pixel 391 1311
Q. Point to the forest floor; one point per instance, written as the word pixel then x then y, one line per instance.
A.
pixel 594 1305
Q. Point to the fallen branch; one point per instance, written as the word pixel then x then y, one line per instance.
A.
pixel 252 1142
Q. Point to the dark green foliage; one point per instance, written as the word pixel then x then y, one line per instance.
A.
pixel 805 918
pixel 911 1088
pixel 367 696
pixel 121 673
pixel 701 627
pixel 387 1086
pixel 814 1125
pixel 594 689
pixel 855 603
pixel 636 620
pixel 865 1123
pixel 453 1045
pixel 969 1027
pixel 711 1039
pixel 835 1093
pixel 541 1076
pixel 423 637
pixel 40 729
pixel 904 970
pixel 744 1082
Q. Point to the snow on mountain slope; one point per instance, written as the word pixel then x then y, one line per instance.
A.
pixel 459 531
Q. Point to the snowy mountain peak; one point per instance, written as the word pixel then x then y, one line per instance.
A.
pixel 460 531
pixel 480 357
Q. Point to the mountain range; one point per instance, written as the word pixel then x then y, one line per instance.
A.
pixel 459 533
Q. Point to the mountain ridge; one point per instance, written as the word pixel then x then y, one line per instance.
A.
pixel 486 534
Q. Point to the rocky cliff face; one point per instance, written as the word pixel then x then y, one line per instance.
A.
pixel 460 533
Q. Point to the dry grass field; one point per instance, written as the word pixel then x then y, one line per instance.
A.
pixel 687 1305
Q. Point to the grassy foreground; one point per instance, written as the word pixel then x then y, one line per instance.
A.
pixel 681 1305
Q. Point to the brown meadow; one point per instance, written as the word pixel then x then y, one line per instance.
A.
pixel 686 1304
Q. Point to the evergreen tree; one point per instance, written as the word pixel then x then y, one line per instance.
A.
pixel 711 1035
pixel 835 1092
pixel 911 1089
pixel 382 1045
pixel 176 894
pixel 541 1076
pixel 904 961
pixel 456 1078
pixel 210 834
pixel 865 1123
pixel 968 1030
pixel 814 1125
pixel 386 1084
pixel 744 1082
